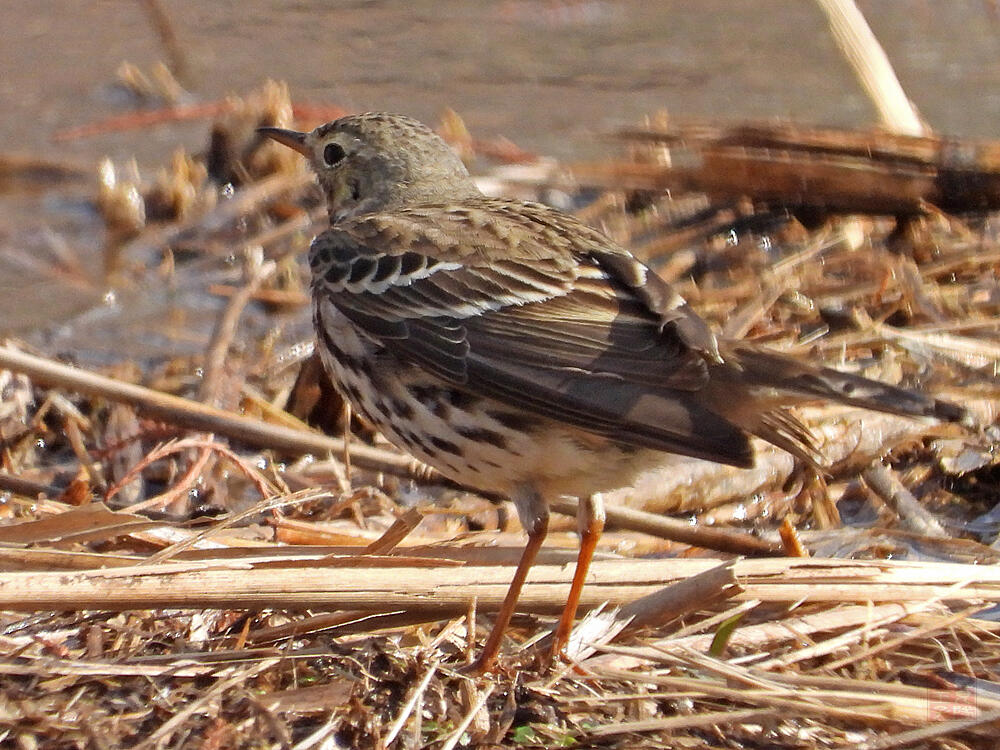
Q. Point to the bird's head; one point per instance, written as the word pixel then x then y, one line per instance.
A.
pixel 375 162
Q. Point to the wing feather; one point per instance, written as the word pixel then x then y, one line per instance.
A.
pixel 530 307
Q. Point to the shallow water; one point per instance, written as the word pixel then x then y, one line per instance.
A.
pixel 545 73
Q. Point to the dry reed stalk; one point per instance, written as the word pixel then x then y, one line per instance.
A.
pixel 395 584
pixel 872 66
pixel 197 416
pixel 755 642
pixel 707 720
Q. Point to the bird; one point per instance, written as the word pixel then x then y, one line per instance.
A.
pixel 523 353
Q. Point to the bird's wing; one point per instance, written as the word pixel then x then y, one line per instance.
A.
pixel 528 306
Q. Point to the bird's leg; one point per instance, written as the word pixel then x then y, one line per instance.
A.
pixel 534 515
pixel 590 523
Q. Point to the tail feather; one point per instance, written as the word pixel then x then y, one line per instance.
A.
pixel 782 373
pixel 870 394
pixel 780 427
pixel 773 380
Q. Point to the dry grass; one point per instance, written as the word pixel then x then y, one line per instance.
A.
pixel 173 572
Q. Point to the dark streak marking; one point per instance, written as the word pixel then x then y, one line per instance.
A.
pixel 402 409
pixel 483 435
pixel 513 421
pixel 446 445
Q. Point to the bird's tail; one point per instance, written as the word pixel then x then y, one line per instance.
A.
pixel 771 378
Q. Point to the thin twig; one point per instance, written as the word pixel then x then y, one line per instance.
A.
pixel 404 713
pixel 709 537
pixel 456 736
pixel 26 487
pixel 264 487
pixel 915 517
pixel 225 329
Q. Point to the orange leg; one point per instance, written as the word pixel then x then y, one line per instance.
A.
pixel 537 530
pixel 590 521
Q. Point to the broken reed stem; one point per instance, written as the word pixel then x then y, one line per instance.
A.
pixel 872 67
pixel 700 591
pixel 348 583
pixel 915 517
pixel 196 416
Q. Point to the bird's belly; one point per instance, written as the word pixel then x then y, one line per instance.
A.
pixel 474 440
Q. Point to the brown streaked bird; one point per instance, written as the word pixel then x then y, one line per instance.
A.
pixel 519 351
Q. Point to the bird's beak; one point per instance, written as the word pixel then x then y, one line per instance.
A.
pixel 291 138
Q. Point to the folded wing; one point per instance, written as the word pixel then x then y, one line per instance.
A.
pixel 511 305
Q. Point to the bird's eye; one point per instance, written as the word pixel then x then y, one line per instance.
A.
pixel 333 153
